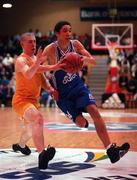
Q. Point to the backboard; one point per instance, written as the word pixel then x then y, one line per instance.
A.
pixel 120 34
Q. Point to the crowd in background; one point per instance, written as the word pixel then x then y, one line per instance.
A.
pixel 122 75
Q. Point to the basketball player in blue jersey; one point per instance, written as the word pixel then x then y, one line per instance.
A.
pixel 73 97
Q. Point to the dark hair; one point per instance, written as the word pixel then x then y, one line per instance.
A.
pixel 59 25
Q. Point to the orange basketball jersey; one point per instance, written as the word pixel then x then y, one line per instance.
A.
pixel 26 90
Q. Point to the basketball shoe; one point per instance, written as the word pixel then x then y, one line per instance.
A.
pixel 116 152
pixel 45 156
pixel 26 150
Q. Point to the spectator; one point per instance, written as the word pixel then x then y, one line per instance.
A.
pixel 8 60
pixel 44 98
pixel 4 91
pixel 134 70
pixel 132 86
pixel 123 81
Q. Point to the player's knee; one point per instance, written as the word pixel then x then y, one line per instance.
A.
pixel 39 119
pixel 81 122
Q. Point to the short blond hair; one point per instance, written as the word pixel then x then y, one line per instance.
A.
pixel 24 35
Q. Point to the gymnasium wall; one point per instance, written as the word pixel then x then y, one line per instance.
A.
pixel 43 14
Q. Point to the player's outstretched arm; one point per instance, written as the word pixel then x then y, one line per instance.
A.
pixel 28 71
pixel 51 65
pixel 55 67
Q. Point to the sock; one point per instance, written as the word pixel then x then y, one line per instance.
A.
pixel 108 146
pixel 87 124
pixel 21 146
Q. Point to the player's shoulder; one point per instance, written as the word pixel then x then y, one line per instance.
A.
pixel 76 42
pixel 50 48
pixel 19 63
pixel 20 58
pixel 77 45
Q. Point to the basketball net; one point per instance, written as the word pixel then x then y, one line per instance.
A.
pixel 112 46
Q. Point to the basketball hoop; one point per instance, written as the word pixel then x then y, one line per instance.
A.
pixel 112 46
pixel 119 35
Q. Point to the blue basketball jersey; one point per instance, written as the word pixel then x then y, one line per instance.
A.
pixel 74 96
pixel 65 82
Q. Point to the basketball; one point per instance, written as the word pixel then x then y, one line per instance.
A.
pixel 73 61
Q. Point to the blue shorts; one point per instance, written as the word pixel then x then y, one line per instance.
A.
pixel 76 102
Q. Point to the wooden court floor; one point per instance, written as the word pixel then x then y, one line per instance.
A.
pixel 60 132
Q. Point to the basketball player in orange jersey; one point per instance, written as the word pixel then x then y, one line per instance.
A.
pixel 74 97
pixel 29 81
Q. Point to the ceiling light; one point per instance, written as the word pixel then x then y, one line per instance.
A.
pixel 7 5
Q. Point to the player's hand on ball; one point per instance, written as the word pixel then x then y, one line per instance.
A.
pixel 73 61
pixel 67 67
